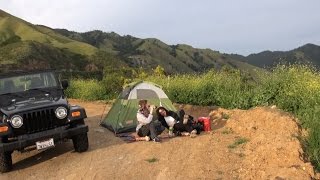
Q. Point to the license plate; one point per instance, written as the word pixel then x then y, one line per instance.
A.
pixel 45 144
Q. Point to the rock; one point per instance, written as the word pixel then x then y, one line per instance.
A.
pixel 215 115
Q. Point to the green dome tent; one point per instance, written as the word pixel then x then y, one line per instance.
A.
pixel 122 115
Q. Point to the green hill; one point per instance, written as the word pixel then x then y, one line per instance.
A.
pixel 13 29
pixel 22 42
pixel 32 54
pixel 150 52
pixel 24 45
pixel 307 54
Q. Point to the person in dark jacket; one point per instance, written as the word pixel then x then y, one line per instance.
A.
pixel 171 119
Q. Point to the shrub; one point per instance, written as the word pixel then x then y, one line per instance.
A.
pixel 86 90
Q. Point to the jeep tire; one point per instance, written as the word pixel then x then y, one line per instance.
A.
pixel 5 162
pixel 80 142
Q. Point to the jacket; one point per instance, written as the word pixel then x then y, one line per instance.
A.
pixel 172 114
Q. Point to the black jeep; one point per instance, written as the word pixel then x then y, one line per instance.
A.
pixel 34 113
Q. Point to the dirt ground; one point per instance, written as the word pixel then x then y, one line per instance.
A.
pixel 260 143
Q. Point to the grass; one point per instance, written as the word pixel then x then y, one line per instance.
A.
pixel 237 142
pixel 227 131
pixel 152 160
pixel 11 26
pixel 225 116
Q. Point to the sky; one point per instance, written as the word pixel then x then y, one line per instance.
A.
pixel 228 26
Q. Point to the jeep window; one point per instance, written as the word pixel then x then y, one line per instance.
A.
pixel 26 82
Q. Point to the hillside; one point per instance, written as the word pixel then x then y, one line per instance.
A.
pixel 14 29
pixel 23 44
pixel 307 54
pixel 32 54
pixel 27 46
pixel 151 52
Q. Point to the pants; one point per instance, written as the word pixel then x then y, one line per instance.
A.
pixel 151 130
pixel 182 127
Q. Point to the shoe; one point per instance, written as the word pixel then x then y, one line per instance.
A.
pixel 147 138
pixel 193 133
pixel 177 133
pixel 185 134
pixel 156 139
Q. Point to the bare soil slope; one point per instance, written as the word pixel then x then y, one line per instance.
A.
pixel 269 150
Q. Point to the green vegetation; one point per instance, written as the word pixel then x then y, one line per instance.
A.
pixel 108 87
pixel 292 88
pixel 225 116
pixel 14 29
pixel 306 54
pixel 27 46
pixel 31 54
pixel 86 89
pixel 227 131
pixel 151 52
pixel 128 50
pixel 237 142
pixel 152 160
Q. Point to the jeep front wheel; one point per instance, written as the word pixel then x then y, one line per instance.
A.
pixel 80 142
pixel 5 162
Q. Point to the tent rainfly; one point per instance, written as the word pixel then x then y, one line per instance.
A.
pixel 122 115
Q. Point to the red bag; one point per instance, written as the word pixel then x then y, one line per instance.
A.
pixel 206 123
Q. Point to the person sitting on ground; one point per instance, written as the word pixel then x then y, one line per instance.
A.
pixel 146 127
pixel 170 119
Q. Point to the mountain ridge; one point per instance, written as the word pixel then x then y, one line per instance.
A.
pixel 21 41
pixel 151 51
pixel 305 54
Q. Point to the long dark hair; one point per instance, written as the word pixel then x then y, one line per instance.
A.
pixel 162 108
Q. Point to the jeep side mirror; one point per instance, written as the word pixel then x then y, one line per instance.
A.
pixel 64 84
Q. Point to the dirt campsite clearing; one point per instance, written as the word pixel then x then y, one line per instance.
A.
pixel 260 143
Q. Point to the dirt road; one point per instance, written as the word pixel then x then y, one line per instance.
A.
pixel 242 146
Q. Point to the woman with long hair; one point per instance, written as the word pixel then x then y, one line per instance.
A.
pixel 170 119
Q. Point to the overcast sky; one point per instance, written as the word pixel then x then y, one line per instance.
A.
pixel 229 26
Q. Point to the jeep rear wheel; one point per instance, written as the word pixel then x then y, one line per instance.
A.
pixel 80 142
pixel 5 162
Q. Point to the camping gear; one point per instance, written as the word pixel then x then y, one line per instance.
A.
pixel 122 116
pixel 206 123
